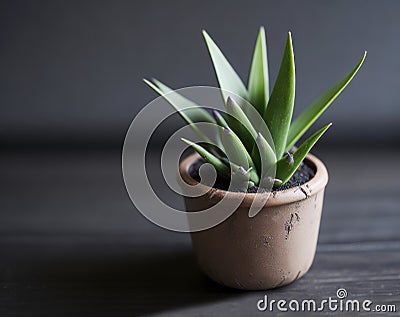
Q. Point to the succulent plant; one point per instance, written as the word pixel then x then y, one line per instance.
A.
pixel 252 153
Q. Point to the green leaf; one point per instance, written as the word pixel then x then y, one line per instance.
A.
pixel 312 113
pixel 221 168
pixel 280 106
pixel 248 177
pixel 234 149
pixel 241 124
pixel 181 105
pixel 222 123
pixel 220 119
pixel 265 156
pixel 285 170
pixel 191 109
pixel 228 79
pixel 215 150
pixel 258 85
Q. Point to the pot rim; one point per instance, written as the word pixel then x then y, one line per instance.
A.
pixel 287 196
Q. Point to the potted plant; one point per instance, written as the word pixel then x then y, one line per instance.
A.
pixel 275 246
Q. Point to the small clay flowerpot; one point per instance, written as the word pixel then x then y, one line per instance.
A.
pixel 272 249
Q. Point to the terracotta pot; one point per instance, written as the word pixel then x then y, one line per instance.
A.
pixel 272 249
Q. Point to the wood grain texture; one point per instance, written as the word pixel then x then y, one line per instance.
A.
pixel 72 244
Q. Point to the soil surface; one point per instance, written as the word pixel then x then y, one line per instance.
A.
pixel 303 174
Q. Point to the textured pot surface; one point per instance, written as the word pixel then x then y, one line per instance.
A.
pixel 272 249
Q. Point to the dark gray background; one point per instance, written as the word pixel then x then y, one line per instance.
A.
pixel 71 241
pixel 71 71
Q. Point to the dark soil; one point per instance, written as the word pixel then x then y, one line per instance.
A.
pixel 303 174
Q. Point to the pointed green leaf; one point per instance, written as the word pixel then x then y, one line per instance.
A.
pixel 251 173
pixel 234 149
pixel 265 156
pixel 240 124
pixel 228 79
pixel 215 150
pixel 312 113
pixel 186 114
pixel 219 119
pixel 258 85
pixel 285 170
pixel 222 123
pixel 221 168
pixel 280 106
pixel 193 110
pixel 249 176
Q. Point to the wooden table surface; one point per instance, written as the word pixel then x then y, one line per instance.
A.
pixel 72 244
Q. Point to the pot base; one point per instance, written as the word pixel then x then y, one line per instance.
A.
pixel 272 249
